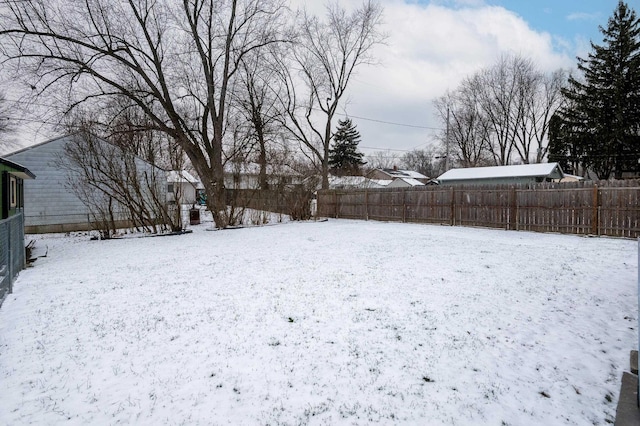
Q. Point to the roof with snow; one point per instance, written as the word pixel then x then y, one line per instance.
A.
pixel 381 182
pixel 404 174
pixel 542 170
pixel 344 182
pixel 183 176
pixel 405 182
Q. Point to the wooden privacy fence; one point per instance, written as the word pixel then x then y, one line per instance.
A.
pixel 584 208
pixel 293 201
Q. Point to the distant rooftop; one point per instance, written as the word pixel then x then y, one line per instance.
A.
pixel 404 173
pixel 524 170
pixel 183 176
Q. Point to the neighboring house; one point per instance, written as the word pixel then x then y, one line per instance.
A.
pixel 12 176
pixel 404 182
pixel 525 173
pixel 247 176
pixel 50 204
pixel 355 182
pixel 392 174
pixel 184 186
pixel 379 178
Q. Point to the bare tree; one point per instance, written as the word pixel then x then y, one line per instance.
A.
pixel 383 160
pixel 177 61
pixel 518 101
pixel 116 186
pixel 327 54
pixel 502 112
pixel 547 100
pixel 257 102
pixel 468 128
pixel 498 92
pixel 427 161
pixel 7 124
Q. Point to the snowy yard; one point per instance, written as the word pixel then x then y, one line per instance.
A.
pixel 338 322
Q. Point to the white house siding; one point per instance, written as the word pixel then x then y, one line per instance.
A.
pixel 185 190
pixel 184 185
pixel 50 205
pixel 47 199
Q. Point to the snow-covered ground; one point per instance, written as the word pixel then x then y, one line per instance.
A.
pixel 338 322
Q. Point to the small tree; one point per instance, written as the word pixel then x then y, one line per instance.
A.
pixel 327 54
pixel 344 158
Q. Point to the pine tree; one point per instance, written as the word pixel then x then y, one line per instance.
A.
pixel 344 158
pixel 564 149
pixel 602 116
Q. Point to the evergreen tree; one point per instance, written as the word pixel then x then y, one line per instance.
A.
pixel 602 116
pixel 563 149
pixel 344 158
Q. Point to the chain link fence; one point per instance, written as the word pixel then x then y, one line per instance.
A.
pixel 12 252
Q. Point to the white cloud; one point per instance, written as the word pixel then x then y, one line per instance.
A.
pixel 583 16
pixel 430 49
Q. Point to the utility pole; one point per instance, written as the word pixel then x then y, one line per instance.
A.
pixel 446 144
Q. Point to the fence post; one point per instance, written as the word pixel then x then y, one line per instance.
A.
pixel 366 204
pixel 335 198
pixel 595 220
pixel 513 211
pixel 453 206
pixel 404 205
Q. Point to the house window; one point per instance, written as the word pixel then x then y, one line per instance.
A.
pixel 13 192
pixel 170 187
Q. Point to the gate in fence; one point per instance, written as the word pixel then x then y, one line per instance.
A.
pixel 12 252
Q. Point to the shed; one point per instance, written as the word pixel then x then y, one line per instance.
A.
pixel 496 175
pixel 12 176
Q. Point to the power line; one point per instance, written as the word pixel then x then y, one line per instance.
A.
pixel 389 122
pixel 375 120
pixel 384 149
